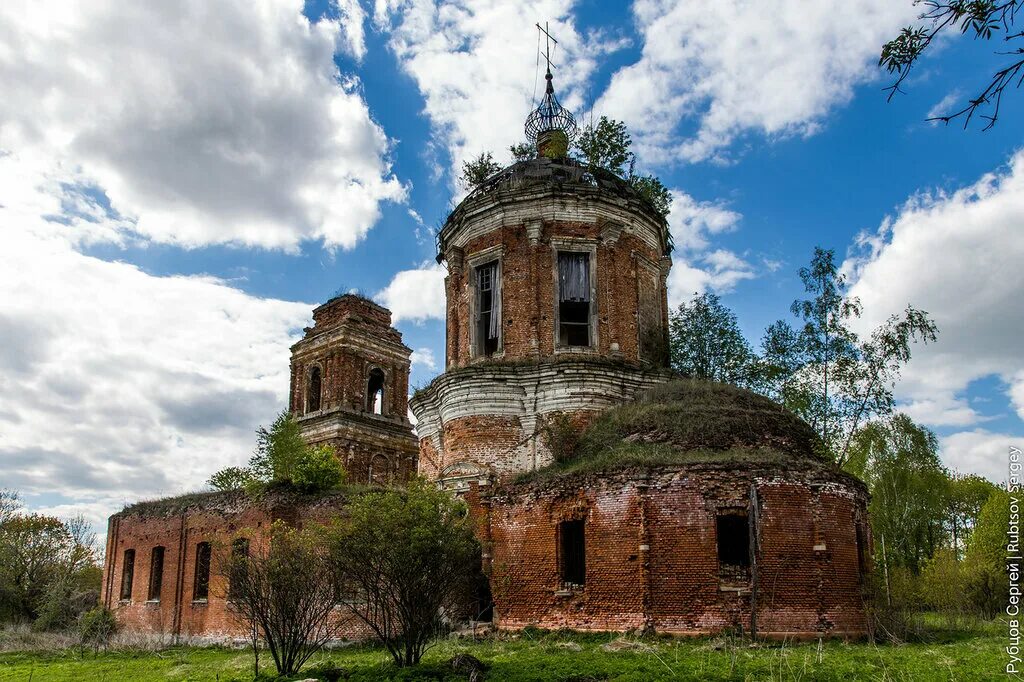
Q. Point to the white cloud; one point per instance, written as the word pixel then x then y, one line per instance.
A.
pixel 695 268
pixel 424 357
pixel 115 384
pixel 941 410
pixel 775 67
pixel 200 126
pixel 475 63
pixel 957 256
pixel 979 452
pixel 945 105
pixel 416 295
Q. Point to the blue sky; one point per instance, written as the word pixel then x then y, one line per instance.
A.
pixel 180 185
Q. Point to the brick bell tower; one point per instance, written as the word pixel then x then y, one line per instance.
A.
pixel 349 389
pixel 556 305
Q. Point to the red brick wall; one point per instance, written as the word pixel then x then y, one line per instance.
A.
pixel 651 553
pixel 528 291
pixel 176 614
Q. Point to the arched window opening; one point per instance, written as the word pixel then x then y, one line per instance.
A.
pixel 201 586
pixel 380 473
pixel 375 391
pixel 127 574
pixel 156 573
pixel 239 569
pixel 313 390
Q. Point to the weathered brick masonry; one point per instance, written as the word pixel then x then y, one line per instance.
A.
pixel 349 390
pixel 652 558
pixel 177 527
pixel 349 354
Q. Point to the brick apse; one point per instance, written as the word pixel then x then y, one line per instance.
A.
pixel 556 311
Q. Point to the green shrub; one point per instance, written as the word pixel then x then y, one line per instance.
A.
pixel 561 435
pixel 97 627
pixel 318 469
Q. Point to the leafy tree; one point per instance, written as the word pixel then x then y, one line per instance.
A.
pixel 606 145
pixel 522 151
pixel 285 590
pixel 823 370
pixel 899 462
pixel 279 450
pixel 967 494
pixel 984 20
pixel 475 171
pixel 319 469
pixel 654 192
pixel 231 478
pixel 705 342
pixel 282 456
pixel 406 558
pixel 988 584
pixel 48 570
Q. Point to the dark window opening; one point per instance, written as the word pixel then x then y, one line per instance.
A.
pixel 574 299
pixel 127 574
pixel 733 533
pixel 488 309
pixel 572 552
pixel 313 391
pixel 201 589
pixel 379 470
pixel 862 557
pixel 239 570
pixel 375 391
pixel 156 573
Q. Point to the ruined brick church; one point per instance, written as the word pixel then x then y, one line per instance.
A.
pixel 721 516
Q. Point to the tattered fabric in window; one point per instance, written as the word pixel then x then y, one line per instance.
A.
pixel 574 277
pixel 489 297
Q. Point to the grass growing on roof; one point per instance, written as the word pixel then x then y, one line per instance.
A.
pixel 690 421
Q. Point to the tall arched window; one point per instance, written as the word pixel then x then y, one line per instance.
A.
pixel 375 391
pixel 313 389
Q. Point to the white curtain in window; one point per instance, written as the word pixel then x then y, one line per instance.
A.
pixel 495 327
pixel 574 277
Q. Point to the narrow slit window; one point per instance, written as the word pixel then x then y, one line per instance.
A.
pixel 572 552
pixel 574 299
pixel 156 573
pixel 375 391
pixel 488 309
pixel 313 390
pixel 201 589
pixel 862 548
pixel 733 533
pixel 127 574
pixel 239 568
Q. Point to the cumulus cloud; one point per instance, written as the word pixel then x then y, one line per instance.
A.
pixel 774 67
pixel 117 384
pixel 696 267
pixel 475 63
pixel 424 357
pixel 979 452
pixel 193 126
pixel 958 256
pixel 416 295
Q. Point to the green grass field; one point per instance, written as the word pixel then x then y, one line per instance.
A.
pixel 556 656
